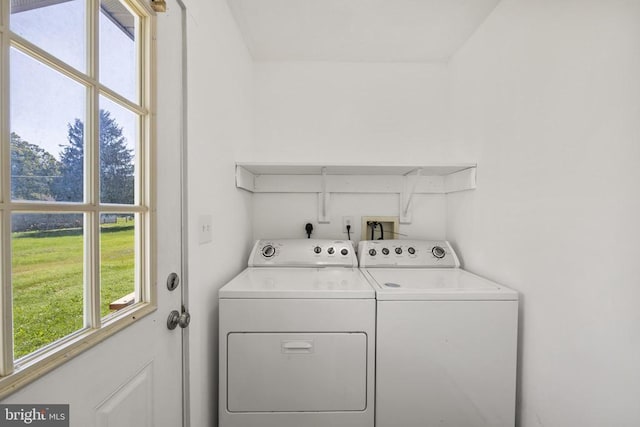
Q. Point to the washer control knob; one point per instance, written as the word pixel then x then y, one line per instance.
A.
pixel 317 249
pixel 372 252
pixel 399 251
pixel 331 251
pixel 345 252
pixel 385 251
pixel 411 250
pixel 438 252
pixel 268 251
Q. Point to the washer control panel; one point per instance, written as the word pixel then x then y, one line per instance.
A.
pixel 407 253
pixel 303 253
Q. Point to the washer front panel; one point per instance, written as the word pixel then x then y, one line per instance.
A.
pixel 446 363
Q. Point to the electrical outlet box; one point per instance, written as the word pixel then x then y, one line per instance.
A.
pixel 380 227
pixel 347 220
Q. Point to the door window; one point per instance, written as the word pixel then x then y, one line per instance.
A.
pixel 75 226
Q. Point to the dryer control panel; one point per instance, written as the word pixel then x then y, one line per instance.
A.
pixel 303 253
pixel 407 253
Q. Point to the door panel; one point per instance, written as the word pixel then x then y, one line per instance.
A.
pixel 131 404
pixel 134 378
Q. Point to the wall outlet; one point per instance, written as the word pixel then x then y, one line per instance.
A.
pixel 382 227
pixel 205 229
pixel 347 220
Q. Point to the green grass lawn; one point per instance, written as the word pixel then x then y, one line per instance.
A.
pixel 47 276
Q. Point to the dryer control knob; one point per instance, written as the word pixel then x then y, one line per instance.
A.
pixel 372 252
pixel 344 251
pixel 411 250
pixel 398 251
pixel 317 249
pixel 385 251
pixel 268 251
pixel 331 251
pixel 438 252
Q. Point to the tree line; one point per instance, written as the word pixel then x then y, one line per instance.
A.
pixel 37 175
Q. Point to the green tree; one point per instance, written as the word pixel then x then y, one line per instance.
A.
pixel 69 188
pixel 116 163
pixel 33 170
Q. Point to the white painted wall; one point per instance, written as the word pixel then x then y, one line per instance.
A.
pixel 285 215
pixel 377 113
pixel 350 112
pixel 546 97
pixel 220 124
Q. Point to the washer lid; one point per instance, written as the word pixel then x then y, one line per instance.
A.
pixel 435 284
pixel 301 283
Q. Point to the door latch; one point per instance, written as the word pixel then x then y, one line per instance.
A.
pixel 178 319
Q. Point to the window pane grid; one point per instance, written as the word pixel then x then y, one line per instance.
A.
pixel 44 57
pixel 119 249
pixel 46 155
pixel 64 38
pixel 117 267
pixel 83 78
pixel 47 278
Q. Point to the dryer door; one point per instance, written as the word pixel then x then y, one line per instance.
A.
pixel 284 372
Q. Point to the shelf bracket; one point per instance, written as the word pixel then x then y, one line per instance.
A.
pixel 324 199
pixel 406 197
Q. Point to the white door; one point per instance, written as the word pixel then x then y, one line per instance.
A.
pixel 169 385
pixel 135 377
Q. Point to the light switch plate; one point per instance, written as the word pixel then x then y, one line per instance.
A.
pixel 205 229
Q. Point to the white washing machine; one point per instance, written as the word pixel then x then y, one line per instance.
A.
pixel 297 338
pixel 446 338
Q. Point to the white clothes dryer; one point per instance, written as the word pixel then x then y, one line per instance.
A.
pixel 297 338
pixel 446 339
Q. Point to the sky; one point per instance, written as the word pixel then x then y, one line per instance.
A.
pixel 44 101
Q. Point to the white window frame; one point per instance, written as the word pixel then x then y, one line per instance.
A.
pixel 16 374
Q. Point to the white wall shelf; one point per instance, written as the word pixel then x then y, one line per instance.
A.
pixel 325 179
